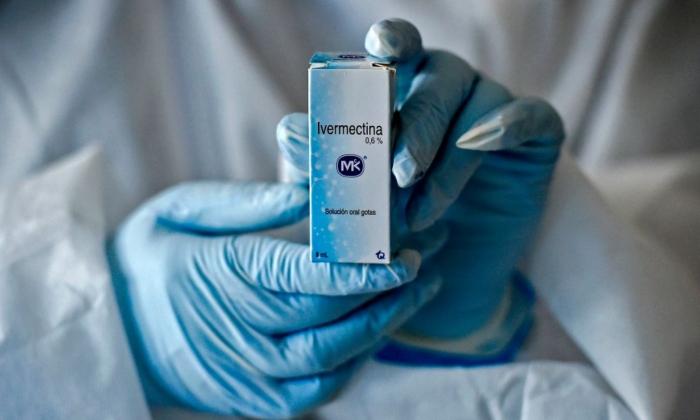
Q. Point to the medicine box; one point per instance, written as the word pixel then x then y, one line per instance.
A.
pixel 351 104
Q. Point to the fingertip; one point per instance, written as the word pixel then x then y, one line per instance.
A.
pixel 412 256
pixel 296 193
pixel 394 39
pixel 297 198
pixel 406 170
pixel 293 139
pixel 296 123
pixel 409 261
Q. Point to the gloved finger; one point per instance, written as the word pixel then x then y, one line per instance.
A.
pixel 323 349
pixel 274 313
pixel 293 140
pixel 302 394
pixel 427 242
pixel 280 313
pixel 284 266
pixel 453 166
pixel 226 368
pixel 437 92
pixel 228 207
pixel 399 41
pixel 528 122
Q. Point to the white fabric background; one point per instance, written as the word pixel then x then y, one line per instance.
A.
pixel 183 90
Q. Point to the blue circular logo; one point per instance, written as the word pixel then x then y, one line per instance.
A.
pixel 350 166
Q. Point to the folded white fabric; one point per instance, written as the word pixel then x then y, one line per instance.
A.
pixel 524 391
pixel 631 308
pixel 63 352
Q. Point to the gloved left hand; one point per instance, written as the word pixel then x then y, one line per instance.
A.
pixel 224 320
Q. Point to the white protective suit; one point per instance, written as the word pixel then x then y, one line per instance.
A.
pixel 163 92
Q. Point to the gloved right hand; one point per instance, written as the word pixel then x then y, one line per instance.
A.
pixel 223 320
pixel 472 156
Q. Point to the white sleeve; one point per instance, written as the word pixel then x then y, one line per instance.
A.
pixel 627 304
pixel 63 350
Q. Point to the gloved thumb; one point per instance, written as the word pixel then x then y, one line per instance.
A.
pixel 232 207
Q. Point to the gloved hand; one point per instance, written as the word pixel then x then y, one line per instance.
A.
pixel 224 320
pixel 470 155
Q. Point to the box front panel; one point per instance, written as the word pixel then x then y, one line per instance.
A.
pixel 350 169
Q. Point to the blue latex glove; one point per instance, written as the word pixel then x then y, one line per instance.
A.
pixel 224 320
pixel 470 155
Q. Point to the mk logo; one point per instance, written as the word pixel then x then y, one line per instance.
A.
pixel 350 166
